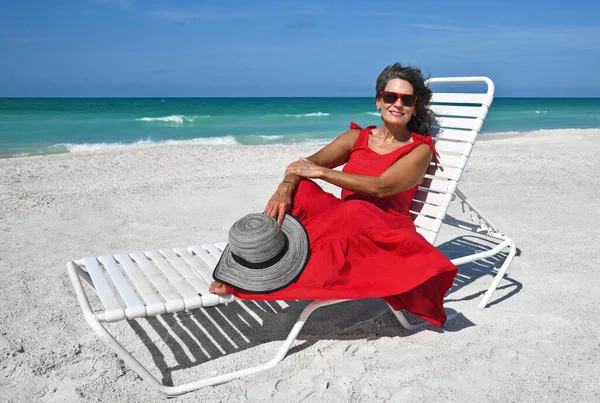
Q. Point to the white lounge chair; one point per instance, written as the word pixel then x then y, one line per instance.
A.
pixel 144 284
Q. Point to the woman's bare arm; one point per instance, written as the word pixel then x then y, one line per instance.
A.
pixel 402 175
pixel 334 154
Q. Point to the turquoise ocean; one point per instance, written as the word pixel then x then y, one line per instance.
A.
pixel 39 126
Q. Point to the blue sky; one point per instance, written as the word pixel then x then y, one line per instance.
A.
pixel 292 48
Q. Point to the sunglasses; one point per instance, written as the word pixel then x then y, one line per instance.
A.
pixel 390 97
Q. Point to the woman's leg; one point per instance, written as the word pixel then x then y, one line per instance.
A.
pixel 309 201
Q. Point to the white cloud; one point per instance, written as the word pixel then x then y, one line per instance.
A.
pixel 186 16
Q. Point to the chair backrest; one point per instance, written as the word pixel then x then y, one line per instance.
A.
pixel 459 118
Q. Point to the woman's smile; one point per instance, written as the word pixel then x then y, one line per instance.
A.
pixel 396 113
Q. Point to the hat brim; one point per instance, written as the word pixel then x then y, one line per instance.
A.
pixel 269 278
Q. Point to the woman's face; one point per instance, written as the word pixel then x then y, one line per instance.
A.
pixel 396 114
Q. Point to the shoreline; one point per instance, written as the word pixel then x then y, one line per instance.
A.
pixel 202 142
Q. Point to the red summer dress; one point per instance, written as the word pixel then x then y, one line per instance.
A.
pixel 364 247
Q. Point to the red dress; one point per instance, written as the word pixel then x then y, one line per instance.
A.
pixel 363 247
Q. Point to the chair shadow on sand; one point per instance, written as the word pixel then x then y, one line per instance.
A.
pixel 201 335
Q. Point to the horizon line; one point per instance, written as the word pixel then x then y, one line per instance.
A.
pixel 264 97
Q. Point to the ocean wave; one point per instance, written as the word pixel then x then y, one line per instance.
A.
pixel 273 137
pixel 177 119
pixel 535 112
pixel 91 147
pixel 501 133
pixel 569 130
pixel 373 113
pixel 213 141
pixel 88 147
pixel 17 155
pixel 312 114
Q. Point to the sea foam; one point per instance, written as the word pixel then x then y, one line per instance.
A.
pixel 100 146
pixel 215 141
pixel 312 114
pixel 177 119
pixel 226 140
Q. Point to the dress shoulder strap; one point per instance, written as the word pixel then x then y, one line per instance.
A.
pixel 363 136
pixel 427 140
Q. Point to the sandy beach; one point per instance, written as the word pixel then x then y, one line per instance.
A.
pixel 539 340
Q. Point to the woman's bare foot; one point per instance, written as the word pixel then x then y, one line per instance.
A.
pixel 217 288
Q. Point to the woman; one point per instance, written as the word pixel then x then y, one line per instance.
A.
pixel 365 244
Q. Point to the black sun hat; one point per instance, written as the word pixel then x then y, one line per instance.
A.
pixel 261 256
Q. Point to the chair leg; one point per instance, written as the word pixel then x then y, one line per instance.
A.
pixel 405 323
pixel 224 378
pixel 133 363
pixel 501 272
pixel 414 326
pixel 492 231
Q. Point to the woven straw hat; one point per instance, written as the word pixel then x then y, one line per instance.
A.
pixel 261 256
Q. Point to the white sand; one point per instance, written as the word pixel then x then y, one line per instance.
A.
pixel 539 341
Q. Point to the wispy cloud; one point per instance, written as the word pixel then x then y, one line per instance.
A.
pixel 375 13
pixel 512 38
pixel 125 4
pixel 23 39
pixel 385 14
pixel 574 37
pixel 184 16
pixel 187 16
pixel 439 27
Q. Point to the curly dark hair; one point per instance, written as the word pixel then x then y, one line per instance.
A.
pixel 423 121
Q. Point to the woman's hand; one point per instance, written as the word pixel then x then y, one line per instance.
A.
pixel 281 202
pixel 305 169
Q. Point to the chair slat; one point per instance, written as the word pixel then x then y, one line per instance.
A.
pixel 459 123
pixel 430 236
pixel 428 210
pixel 450 160
pixel 439 185
pixel 205 273
pixel 190 297
pixel 452 110
pixel 154 305
pixel 173 300
pixel 458 98
pixel 444 146
pixel 112 307
pixel 134 306
pixel 182 266
pixel 213 250
pixel 206 257
pixel 221 245
pixel 430 224
pixel 422 195
pixel 444 172
pixel 200 266
pixel 459 135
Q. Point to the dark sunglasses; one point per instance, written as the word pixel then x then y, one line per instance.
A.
pixel 390 97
